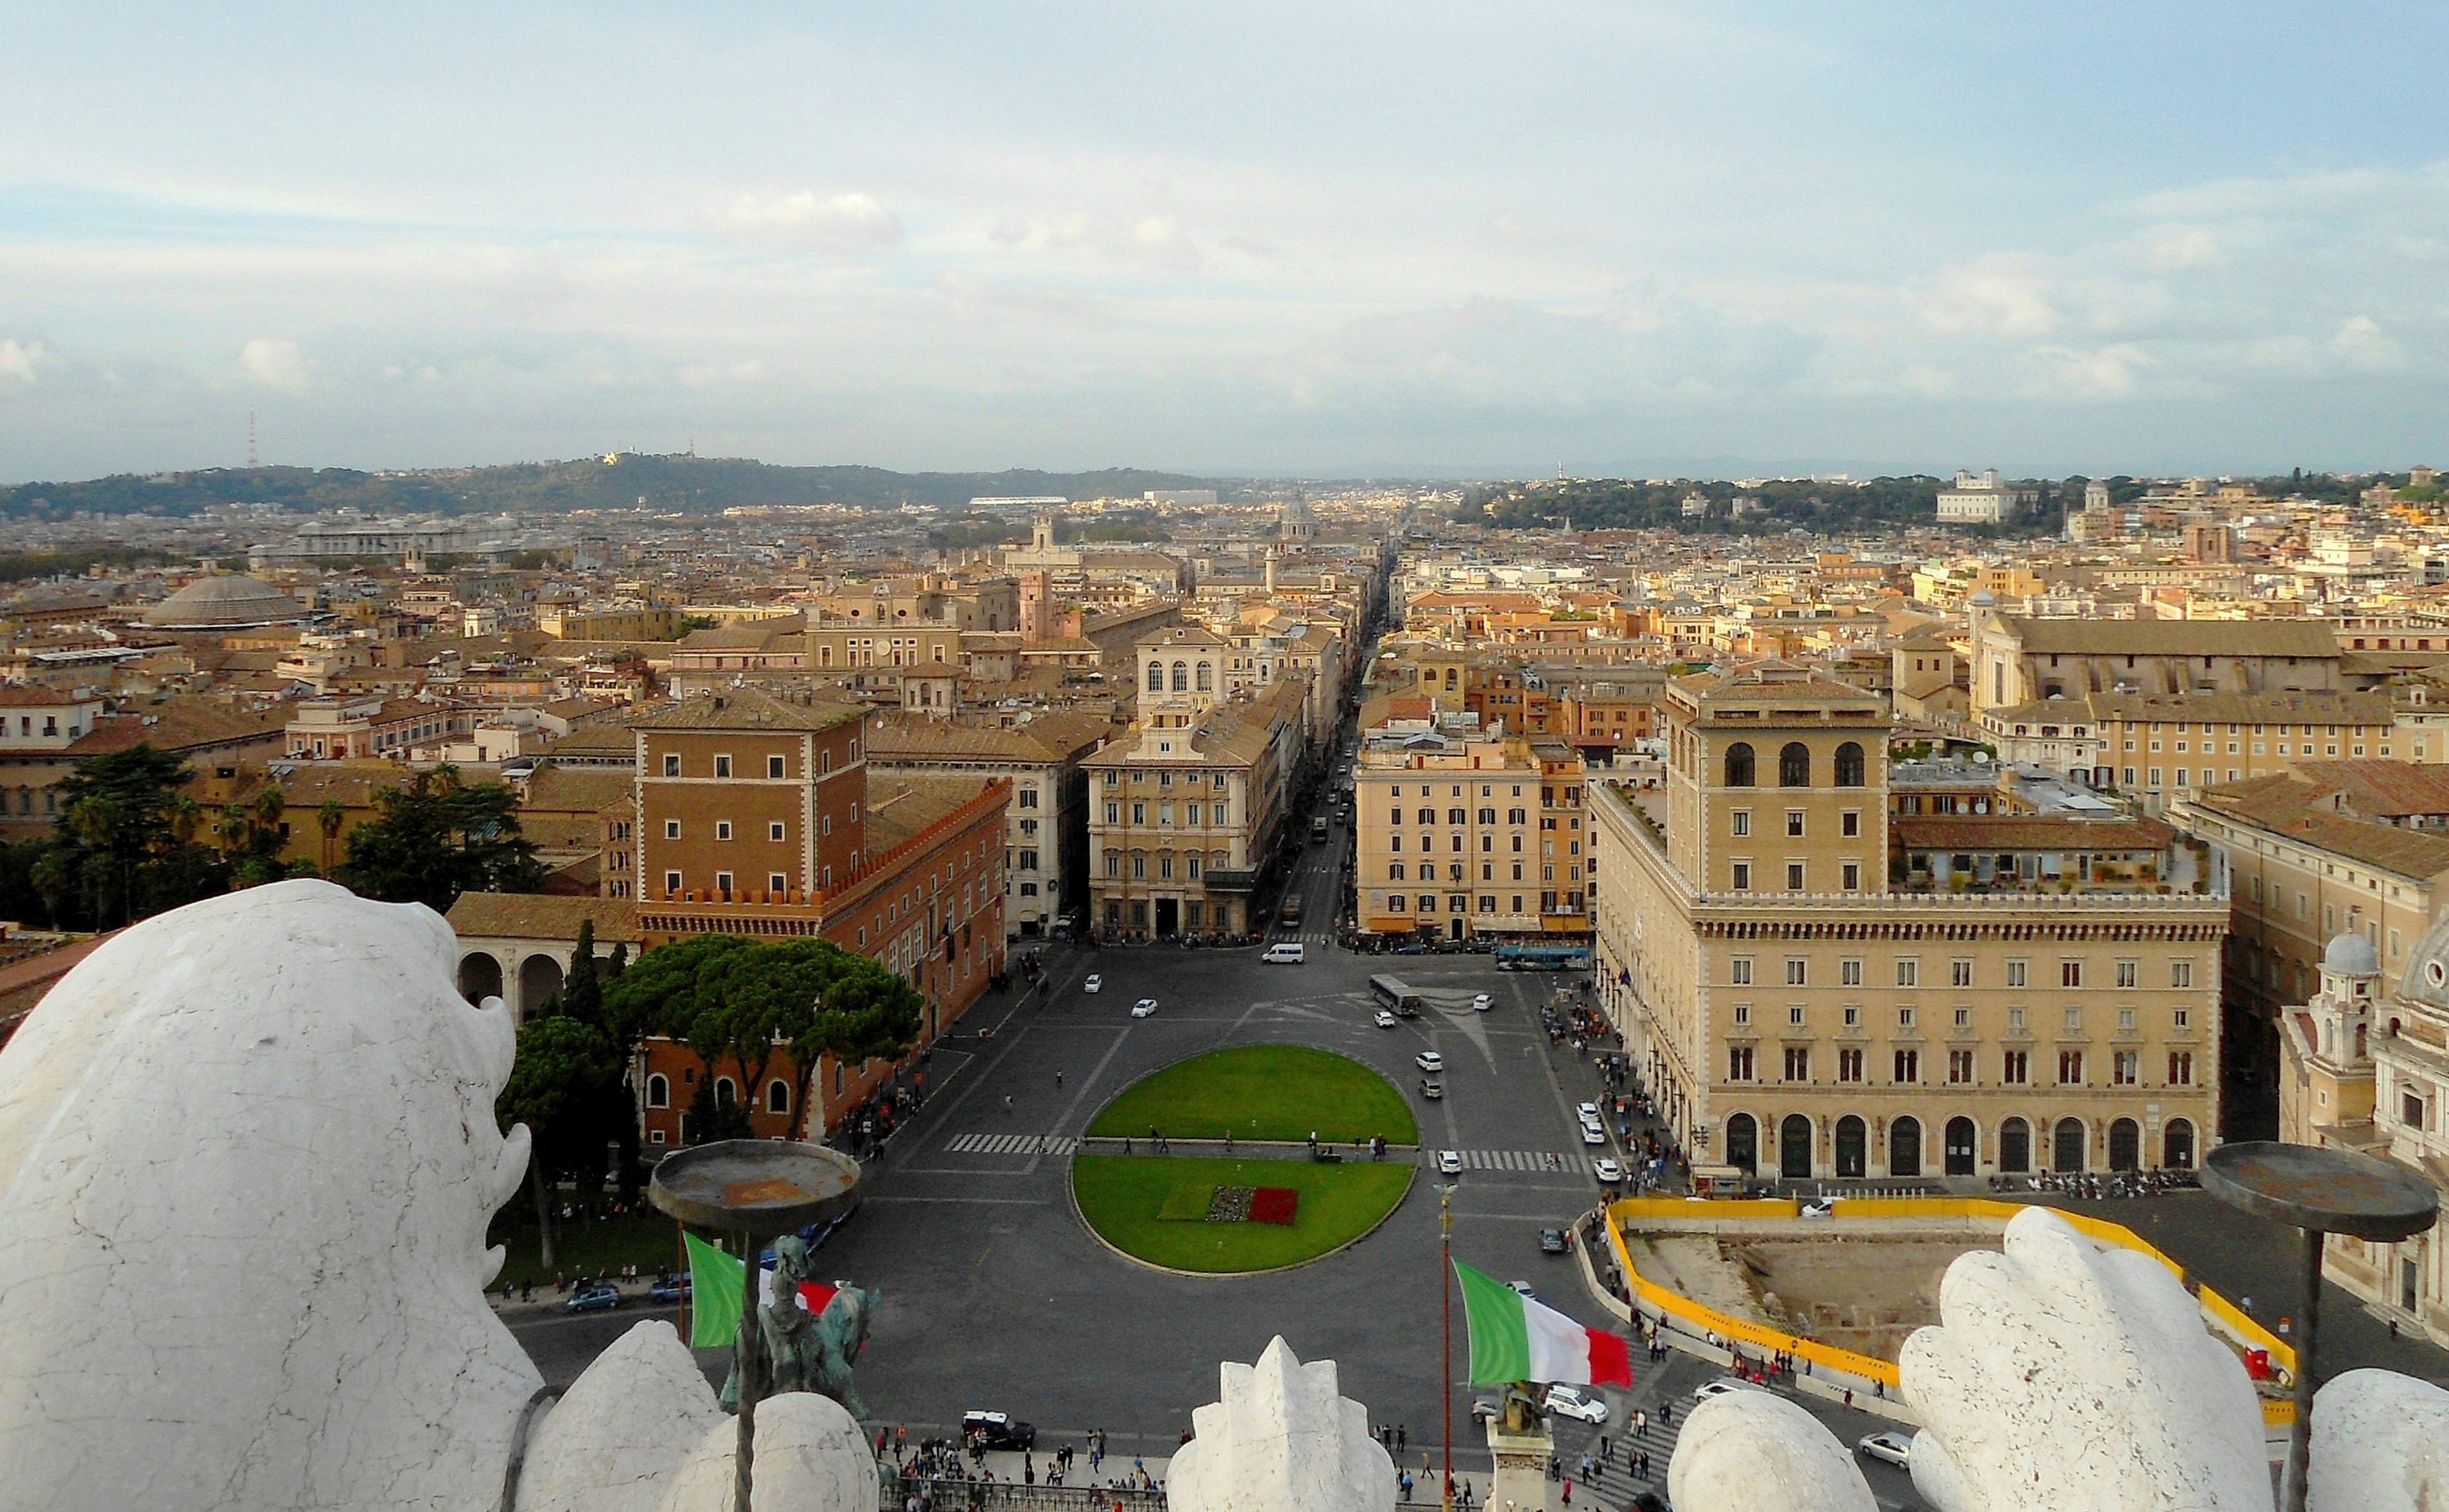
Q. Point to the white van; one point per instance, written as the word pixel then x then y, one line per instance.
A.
pixel 1284 953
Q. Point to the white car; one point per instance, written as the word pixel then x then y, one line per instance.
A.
pixel 1594 1134
pixel 1522 1289
pixel 1093 983
pixel 1479 1003
pixel 1448 1162
pixel 1718 1389
pixel 1387 1021
pixel 1588 1112
pixel 1429 1060
pixel 1573 1402
pixel 1817 1209
pixel 1889 1448
pixel 1142 1008
pixel 1607 1169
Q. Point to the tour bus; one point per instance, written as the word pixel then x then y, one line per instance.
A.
pixel 1394 995
pixel 1543 957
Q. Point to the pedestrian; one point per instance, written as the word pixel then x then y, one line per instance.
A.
pixel 1400 1434
pixel 2393 1330
pixel 1127 1144
pixel 1006 1102
pixel 900 1439
pixel 1569 1491
pixel 1849 1396
pixel 1603 1453
pixel 1058 1079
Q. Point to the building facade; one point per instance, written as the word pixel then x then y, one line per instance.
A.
pixel 1803 1005
pixel 1470 837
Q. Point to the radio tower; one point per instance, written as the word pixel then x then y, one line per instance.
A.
pixel 250 436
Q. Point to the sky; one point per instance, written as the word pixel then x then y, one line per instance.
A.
pixel 1250 240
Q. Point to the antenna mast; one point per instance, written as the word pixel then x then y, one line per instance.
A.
pixel 250 437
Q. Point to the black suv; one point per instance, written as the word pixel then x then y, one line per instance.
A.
pixel 994 1430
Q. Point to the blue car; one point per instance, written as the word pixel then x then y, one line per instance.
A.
pixel 594 1299
pixel 670 1289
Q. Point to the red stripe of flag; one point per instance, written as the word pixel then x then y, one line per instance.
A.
pixel 1611 1359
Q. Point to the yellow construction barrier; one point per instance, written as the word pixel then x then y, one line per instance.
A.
pixel 2224 1314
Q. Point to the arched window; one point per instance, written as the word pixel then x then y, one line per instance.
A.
pixel 1904 1148
pixel 1794 765
pixel 1182 677
pixel 1156 677
pixel 658 1091
pixel 1849 764
pixel 1208 677
pixel 1742 1144
pixel 778 1095
pixel 726 1092
pixel 1739 765
pixel 2178 1146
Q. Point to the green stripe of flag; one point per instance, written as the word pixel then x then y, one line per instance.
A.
pixel 716 1282
pixel 1500 1339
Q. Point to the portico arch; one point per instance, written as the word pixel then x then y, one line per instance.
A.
pixel 539 980
pixel 480 977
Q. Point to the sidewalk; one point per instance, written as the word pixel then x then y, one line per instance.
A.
pixel 1118 1473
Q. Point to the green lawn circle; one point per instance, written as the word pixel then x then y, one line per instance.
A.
pixel 1122 1197
pixel 1264 1093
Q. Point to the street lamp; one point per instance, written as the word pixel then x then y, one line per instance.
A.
pixel 1445 1331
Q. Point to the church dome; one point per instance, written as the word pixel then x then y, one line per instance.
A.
pixel 224 601
pixel 2351 955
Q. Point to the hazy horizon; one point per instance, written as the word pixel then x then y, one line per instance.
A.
pixel 1347 242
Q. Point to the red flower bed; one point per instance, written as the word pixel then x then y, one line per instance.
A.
pixel 1274 1204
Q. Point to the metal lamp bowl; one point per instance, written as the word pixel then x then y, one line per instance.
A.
pixel 756 1186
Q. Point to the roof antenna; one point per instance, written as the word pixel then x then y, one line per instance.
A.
pixel 250 437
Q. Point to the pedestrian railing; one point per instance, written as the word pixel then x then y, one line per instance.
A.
pixel 951 1495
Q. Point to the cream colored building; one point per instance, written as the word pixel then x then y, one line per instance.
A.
pixel 2042 994
pixel 1469 835
pixel 2366 1068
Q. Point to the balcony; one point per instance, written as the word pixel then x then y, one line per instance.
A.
pixel 1221 881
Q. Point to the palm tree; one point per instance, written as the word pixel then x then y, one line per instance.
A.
pixel 329 819
pixel 264 824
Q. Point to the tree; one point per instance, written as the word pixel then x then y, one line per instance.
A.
pixel 436 838
pixel 738 999
pixel 123 846
pixel 565 1067
pixel 581 991
pixel 330 819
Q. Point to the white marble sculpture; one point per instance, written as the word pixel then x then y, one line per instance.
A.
pixel 1284 1439
pixel 2380 1444
pixel 1750 1449
pixel 247 1155
pixel 613 1441
pixel 810 1458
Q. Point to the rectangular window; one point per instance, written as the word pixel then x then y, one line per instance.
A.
pixel 1796 972
pixel 671 765
pixel 722 766
pixel 2070 972
pixel 1793 823
pixel 2014 1021
pixel 1739 1064
pixel 1850 824
pixel 1960 973
pixel 1908 972
pixel 1959 1068
pixel 2126 1068
pixel 1849 973
pixel 1908 1066
pixel 671 881
pixel 1794 876
pixel 2181 1068
pixel 2410 1109
pixel 722 881
pixel 1964 1019
pixel 1852 873
pixel 1794 1014
pixel 1743 876
pixel 773 766
pixel 1849 1065
pixel 2181 1017
pixel 2128 973
pixel 2015 1067
pixel 723 829
pixel 777 883
pixel 2181 972
pixel 1904 1017
pixel 671 830
pixel 2016 972
pixel 1797 1063
pixel 1740 821
pixel 2069 1068
pixel 1853 1015
pixel 1743 1013
pixel 1740 971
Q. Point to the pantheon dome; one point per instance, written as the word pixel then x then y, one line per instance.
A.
pixel 224 601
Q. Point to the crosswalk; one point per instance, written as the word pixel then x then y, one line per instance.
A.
pixel 1517 1160
pixel 1010 1144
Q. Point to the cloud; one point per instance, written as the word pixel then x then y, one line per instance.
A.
pixel 1159 241
pixel 18 361
pixel 274 364
pixel 2105 373
pixel 1998 293
pixel 2175 248
pixel 844 224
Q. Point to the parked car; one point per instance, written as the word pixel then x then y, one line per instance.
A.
pixel 1479 1003
pixel 1429 1060
pixel 1720 1387
pixel 1594 1134
pixel 1432 1088
pixel 999 1431
pixel 1449 1162
pixel 1387 1021
pixel 1575 1402
pixel 1819 1209
pixel 1607 1169
pixel 1588 1112
pixel 1142 1008
pixel 670 1289
pixel 1094 983
pixel 1412 948
pixel 1888 1448
pixel 594 1299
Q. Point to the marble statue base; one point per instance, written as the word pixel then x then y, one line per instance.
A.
pixel 1521 1483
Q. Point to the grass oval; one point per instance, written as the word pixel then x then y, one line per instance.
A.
pixel 1262 1092
pixel 1125 1198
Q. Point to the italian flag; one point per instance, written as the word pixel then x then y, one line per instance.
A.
pixel 716 1282
pixel 1514 1338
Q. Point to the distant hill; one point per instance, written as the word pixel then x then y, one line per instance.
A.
pixel 678 482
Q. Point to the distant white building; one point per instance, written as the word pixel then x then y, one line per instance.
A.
pixel 1196 496
pixel 1695 505
pixel 1977 500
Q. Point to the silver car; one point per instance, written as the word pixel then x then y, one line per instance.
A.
pixel 1888 1448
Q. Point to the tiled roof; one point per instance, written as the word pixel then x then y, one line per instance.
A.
pixel 537 916
pixel 2320 707
pixel 745 709
pixel 899 807
pixel 183 723
pixel 2190 638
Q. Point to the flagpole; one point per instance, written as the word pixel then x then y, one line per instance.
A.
pixel 1445 1329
